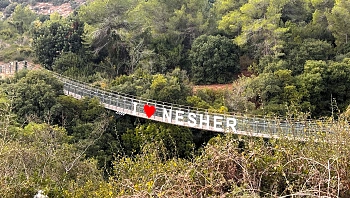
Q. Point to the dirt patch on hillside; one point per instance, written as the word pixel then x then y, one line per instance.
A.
pixel 213 87
pixel 48 8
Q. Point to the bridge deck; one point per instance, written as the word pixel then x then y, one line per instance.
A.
pixel 250 126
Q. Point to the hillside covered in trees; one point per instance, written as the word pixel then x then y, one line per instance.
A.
pixel 287 58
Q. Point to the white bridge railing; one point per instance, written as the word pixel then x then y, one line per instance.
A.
pixel 192 117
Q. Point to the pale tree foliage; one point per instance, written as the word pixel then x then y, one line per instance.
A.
pixel 239 98
pixel 257 23
pixel 119 32
pixel 223 7
pixel 338 20
pixel 151 15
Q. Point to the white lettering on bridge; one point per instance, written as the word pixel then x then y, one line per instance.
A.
pixel 219 123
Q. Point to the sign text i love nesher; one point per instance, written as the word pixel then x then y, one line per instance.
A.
pixel 220 123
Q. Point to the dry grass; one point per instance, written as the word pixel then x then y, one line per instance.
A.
pixel 231 166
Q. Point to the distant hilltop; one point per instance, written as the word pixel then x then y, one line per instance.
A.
pixel 63 7
pixel 47 8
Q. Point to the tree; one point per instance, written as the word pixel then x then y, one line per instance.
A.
pixel 134 84
pixel 309 49
pixel 22 17
pixel 173 87
pixel 56 36
pixel 327 85
pixel 338 84
pixel 223 7
pixel 338 23
pixel 297 11
pixel 112 37
pixel 275 90
pixel 214 59
pixel 258 24
pixel 36 95
pixel 68 60
pixel 40 156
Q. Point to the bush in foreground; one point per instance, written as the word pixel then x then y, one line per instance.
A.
pixel 236 167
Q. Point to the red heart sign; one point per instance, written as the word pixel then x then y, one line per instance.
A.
pixel 149 110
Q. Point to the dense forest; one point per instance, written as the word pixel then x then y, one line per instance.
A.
pixel 282 58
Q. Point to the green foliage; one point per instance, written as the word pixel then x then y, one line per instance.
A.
pixel 177 141
pixel 338 24
pixel 222 7
pixel 309 49
pixel 173 87
pixel 16 52
pixel 211 100
pixel 215 59
pixel 257 23
pixel 276 90
pixel 191 20
pixel 7 34
pixel 133 37
pixel 141 45
pixel 92 126
pixel 297 11
pixel 66 61
pixel 112 36
pixel 135 84
pixel 235 167
pixel 35 96
pixel 240 99
pixel 40 157
pixel 170 53
pixel 22 17
pixel 323 81
pixel 54 37
pixel 73 112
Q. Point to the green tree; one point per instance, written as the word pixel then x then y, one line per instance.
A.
pixel 308 49
pixel 35 96
pixel 276 90
pixel 297 11
pixel 258 24
pixel 68 60
pixel 134 84
pixel 214 59
pixel 338 84
pixel 223 7
pixel 327 86
pixel 338 23
pixel 173 87
pixel 56 36
pixel 22 17
pixel 113 36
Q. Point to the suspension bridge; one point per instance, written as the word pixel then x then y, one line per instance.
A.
pixel 187 116
pixel 191 117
